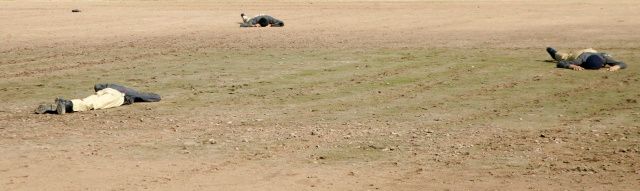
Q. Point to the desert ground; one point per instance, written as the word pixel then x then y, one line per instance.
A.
pixel 349 95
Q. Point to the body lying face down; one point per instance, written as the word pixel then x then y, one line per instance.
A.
pixel 261 21
pixel 589 59
pixel 106 95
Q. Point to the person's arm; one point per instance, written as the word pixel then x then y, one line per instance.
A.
pixel 147 97
pixel 574 64
pixel 277 23
pixel 615 65
pixel 122 89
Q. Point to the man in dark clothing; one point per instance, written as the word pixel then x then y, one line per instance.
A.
pixel 260 21
pixel 585 59
pixel 106 96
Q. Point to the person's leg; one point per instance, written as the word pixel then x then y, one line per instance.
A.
pixel 557 55
pixel 84 104
pixel 103 99
pixel 552 52
pixel 579 52
pixel 245 19
pixel 46 108
pixel 560 56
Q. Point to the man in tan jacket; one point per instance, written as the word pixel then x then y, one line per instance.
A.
pixel 106 96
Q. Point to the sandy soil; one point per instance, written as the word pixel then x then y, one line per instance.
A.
pixel 349 95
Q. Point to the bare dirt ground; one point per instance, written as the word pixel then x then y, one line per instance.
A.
pixel 349 95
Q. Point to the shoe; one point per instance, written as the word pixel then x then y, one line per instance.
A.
pixel 552 52
pixel 60 107
pixel 241 14
pixel 63 106
pixel 46 108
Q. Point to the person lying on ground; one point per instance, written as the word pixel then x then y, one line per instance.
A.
pixel 260 21
pixel 106 95
pixel 585 59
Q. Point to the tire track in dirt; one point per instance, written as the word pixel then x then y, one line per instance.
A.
pixel 68 57
pixel 524 103
pixel 388 72
pixel 65 66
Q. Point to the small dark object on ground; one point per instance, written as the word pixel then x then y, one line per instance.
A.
pixel 75 10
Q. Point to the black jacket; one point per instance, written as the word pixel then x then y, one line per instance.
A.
pixel 130 95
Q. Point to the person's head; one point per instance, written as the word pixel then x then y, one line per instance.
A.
pixel 99 87
pixel 593 62
pixel 263 22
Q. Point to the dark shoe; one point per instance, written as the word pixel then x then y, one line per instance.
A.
pixel 242 15
pixel 60 107
pixel 46 108
pixel 63 106
pixel 552 52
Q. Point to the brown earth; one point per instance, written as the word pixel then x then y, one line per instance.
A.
pixel 349 95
